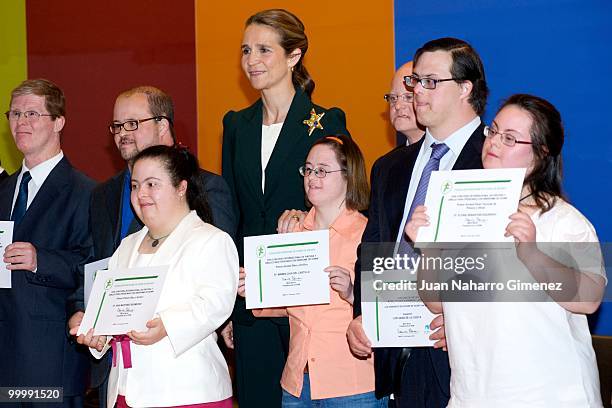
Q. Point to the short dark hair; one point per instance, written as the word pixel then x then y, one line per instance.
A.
pixel 351 160
pixel 55 102
pixel 547 135
pixel 160 103
pixel 467 66
pixel 181 165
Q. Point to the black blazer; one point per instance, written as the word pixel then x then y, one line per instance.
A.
pixel 3 175
pixel 105 220
pixel 35 349
pixel 390 178
pixel 284 188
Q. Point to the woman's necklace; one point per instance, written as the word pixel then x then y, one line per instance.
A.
pixel 527 196
pixel 155 241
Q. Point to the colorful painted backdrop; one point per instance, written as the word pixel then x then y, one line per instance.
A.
pixel 191 49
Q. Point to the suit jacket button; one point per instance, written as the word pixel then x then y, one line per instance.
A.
pixel 263 214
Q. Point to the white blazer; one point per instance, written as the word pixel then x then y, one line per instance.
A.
pixel 186 367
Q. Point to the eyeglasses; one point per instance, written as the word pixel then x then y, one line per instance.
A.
pixel 132 125
pixel 392 99
pixel 32 116
pixel 506 138
pixel 320 172
pixel 427 83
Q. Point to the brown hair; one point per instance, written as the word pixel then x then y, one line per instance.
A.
pixel 351 161
pixel 547 136
pixel 160 103
pixel 466 66
pixel 55 102
pixel 292 36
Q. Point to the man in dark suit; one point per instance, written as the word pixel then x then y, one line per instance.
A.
pixel 450 93
pixel 3 174
pixel 48 200
pixel 142 117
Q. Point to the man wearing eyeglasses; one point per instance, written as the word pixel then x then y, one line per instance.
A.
pixel 401 107
pixel 142 117
pixel 450 93
pixel 48 201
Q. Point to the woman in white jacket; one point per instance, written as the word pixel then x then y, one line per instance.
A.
pixel 176 362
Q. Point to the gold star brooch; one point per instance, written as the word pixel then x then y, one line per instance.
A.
pixel 314 122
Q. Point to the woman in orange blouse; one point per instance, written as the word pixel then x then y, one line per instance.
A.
pixel 320 366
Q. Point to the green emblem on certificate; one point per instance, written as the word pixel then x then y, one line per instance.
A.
pixel 446 187
pixel 261 251
pixel 109 284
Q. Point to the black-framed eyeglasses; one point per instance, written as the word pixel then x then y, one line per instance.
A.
pixel 320 172
pixel 132 125
pixel 506 138
pixel 392 99
pixel 427 83
pixel 14 115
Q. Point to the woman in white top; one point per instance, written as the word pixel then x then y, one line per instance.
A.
pixel 529 354
pixel 176 362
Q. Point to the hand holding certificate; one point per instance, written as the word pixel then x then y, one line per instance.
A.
pixel 286 269
pixel 123 300
pixel 398 324
pixel 6 238
pixel 471 205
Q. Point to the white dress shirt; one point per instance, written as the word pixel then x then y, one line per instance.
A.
pixel 455 143
pixel 39 174
pixel 269 136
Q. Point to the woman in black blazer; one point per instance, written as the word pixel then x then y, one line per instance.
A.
pixel 278 131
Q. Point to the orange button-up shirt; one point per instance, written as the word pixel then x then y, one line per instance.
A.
pixel 318 332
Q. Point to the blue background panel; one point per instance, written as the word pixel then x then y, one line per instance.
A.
pixel 559 50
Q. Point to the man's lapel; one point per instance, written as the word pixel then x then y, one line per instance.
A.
pixel 54 186
pixel 400 178
pixel 113 195
pixel 7 193
pixel 471 154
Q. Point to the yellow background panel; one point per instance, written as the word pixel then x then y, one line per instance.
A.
pixel 350 58
pixel 13 70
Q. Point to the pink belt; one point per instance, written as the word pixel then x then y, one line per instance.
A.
pixel 126 353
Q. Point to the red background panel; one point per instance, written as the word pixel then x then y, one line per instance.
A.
pixel 95 50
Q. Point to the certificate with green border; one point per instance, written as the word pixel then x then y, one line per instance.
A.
pixel 471 205
pixel 124 299
pixel 6 238
pixel 287 269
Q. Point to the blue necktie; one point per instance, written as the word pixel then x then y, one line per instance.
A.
pixel 438 151
pixel 21 204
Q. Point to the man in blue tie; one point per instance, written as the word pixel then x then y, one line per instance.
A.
pixel 48 200
pixel 450 94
